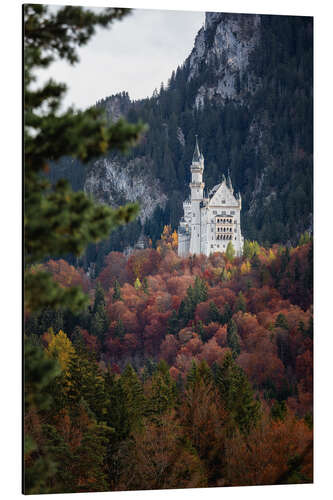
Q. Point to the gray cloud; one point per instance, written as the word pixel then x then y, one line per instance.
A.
pixel 135 55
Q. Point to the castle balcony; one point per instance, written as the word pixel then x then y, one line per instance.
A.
pixel 197 185
pixel 197 167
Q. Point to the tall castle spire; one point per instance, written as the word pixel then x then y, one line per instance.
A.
pixel 197 186
pixel 196 154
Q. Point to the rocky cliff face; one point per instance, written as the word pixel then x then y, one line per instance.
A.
pixel 115 183
pixel 246 89
pixel 224 46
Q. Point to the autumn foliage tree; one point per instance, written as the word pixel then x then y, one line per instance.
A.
pixel 200 378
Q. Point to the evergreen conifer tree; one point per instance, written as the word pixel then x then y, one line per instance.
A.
pixel 116 291
pixel 233 338
pixel 58 220
pixel 237 395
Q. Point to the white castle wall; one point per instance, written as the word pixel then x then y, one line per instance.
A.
pixel 209 224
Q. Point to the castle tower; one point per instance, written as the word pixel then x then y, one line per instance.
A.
pixel 197 187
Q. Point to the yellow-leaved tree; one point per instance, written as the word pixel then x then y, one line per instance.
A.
pixel 60 348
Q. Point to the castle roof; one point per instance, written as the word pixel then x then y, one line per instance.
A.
pixel 196 154
pixel 213 190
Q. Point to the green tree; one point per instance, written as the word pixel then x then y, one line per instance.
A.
pixel 116 291
pixel 40 372
pixel 99 321
pixel 237 395
pixel 134 397
pixel 162 394
pixel 240 304
pixel 200 291
pixel 233 338
pixel 199 373
pixel 230 252
pixel 250 249
pixel 173 323
pixel 57 220
pixel 213 313
pixel 279 410
pixel 281 321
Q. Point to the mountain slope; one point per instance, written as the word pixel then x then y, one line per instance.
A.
pixel 246 90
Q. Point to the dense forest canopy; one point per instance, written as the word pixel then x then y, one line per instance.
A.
pixel 201 365
pixel 146 370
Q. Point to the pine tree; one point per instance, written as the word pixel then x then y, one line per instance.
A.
pixel 57 220
pixel 237 395
pixel 200 291
pixel 173 323
pixel 162 394
pixel 233 338
pixel 116 291
pixel 227 314
pixel 199 373
pixel 40 372
pixel 99 298
pixel 213 313
pixel 240 304
pixel 119 330
pixel 279 410
pixel 99 322
pixel 281 322
pixel 134 397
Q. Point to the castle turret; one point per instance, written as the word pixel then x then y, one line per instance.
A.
pixel 197 195
pixel 197 168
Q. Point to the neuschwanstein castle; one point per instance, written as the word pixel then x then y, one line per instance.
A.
pixel 209 223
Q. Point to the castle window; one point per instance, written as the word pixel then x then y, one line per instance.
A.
pixel 211 246
pixel 223 201
pixel 214 212
pixel 224 213
pixel 232 212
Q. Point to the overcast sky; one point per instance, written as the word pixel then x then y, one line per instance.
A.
pixel 135 55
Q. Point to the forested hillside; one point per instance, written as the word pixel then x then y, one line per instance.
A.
pixel 208 360
pixel 144 370
pixel 246 90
